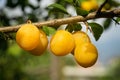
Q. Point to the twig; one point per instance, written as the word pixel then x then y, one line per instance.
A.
pixel 87 26
pixel 100 8
pixel 115 21
pixel 74 19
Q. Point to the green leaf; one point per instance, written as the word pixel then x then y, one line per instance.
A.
pixel 3 42
pixel 75 3
pixel 81 12
pixel 118 19
pixel 77 27
pixel 2 35
pixel 69 28
pixel 48 30
pixel 114 3
pixel 73 27
pixel 58 7
pixel 97 30
pixel 81 1
pixel 69 1
pixel 107 23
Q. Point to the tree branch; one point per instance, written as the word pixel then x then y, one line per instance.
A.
pixel 74 19
pixel 99 10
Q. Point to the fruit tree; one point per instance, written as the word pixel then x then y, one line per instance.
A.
pixel 32 35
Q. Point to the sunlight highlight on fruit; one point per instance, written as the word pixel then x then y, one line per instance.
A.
pixel 31 39
pixel 86 54
pixel 28 36
pixel 80 37
pixel 62 43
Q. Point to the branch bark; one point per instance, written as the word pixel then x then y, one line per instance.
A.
pixel 100 8
pixel 74 19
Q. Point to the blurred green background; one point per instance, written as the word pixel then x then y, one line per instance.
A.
pixel 17 64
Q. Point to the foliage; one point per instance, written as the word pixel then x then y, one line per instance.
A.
pixel 13 60
pixel 97 30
